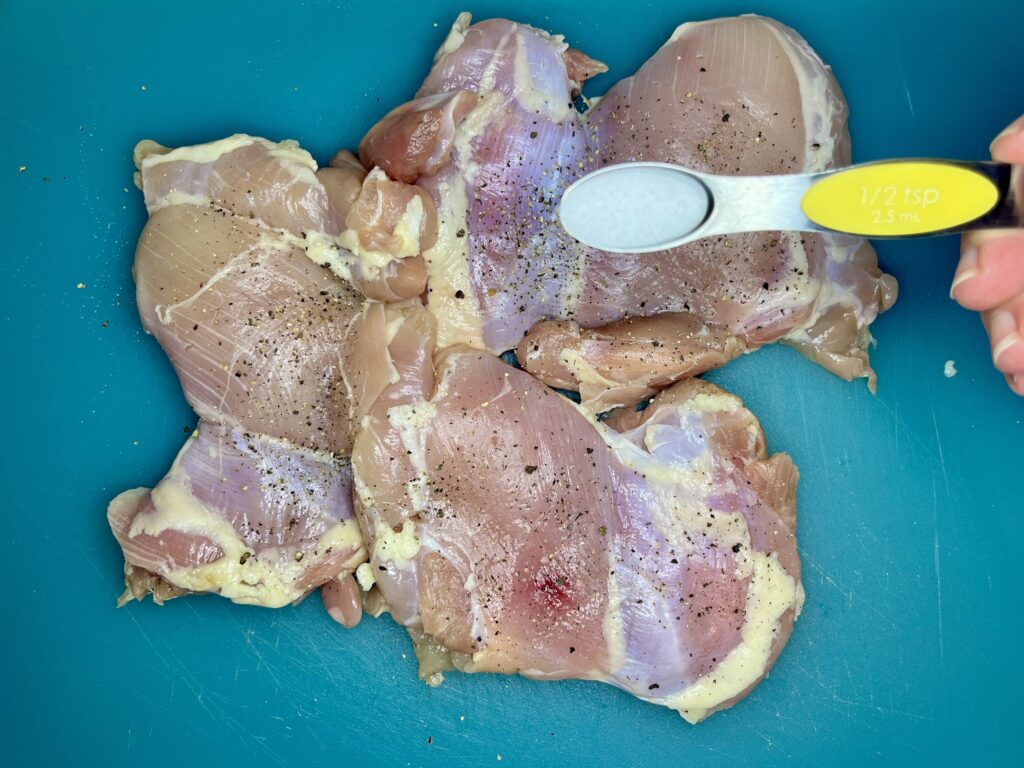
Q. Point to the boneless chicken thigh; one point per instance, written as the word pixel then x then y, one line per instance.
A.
pixel 511 532
pixel 335 330
pixel 237 276
pixel 495 139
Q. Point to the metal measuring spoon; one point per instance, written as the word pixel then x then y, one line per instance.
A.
pixel 640 207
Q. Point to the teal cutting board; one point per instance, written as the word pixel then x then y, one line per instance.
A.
pixel 909 650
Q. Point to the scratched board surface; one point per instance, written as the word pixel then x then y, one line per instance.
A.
pixel 908 650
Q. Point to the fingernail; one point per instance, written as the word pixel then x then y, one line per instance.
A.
pixel 1015 127
pixel 968 268
pixel 1002 327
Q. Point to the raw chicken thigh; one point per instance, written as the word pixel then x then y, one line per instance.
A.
pixel 276 353
pixel 494 138
pixel 334 329
pixel 512 533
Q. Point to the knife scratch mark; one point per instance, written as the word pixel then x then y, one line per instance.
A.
pixel 942 458
pixel 938 571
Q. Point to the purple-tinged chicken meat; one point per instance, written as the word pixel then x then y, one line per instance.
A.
pixel 511 532
pixel 499 139
pixel 251 273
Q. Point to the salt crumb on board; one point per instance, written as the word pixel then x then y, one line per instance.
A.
pixel 949 369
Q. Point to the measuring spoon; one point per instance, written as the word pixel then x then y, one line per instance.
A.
pixel 640 207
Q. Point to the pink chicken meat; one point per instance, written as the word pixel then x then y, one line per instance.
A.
pixel 494 138
pixel 511 532
pixel 334 329
pixel 238 278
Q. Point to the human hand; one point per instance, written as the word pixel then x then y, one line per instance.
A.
pixel 990 277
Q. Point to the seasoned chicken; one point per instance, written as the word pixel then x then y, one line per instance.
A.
pixel 512 533
pixel 252 518
pixel 243 276
pixel 334 329
pixel 494 137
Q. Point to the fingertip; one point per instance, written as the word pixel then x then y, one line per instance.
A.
pixel 1016 383
pixel 1003 325
pixel 967 269
pixel 1008 146
pixel 1010 357
pixel 991 270
pixel 971 295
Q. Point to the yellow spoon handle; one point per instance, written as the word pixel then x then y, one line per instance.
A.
pixel 906 198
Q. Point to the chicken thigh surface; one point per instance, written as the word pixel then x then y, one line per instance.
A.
pixel 335 330
pixel 235 274
pixel 494 138
pixel 511 532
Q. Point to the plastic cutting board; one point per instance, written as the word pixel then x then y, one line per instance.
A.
pixel 909 650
